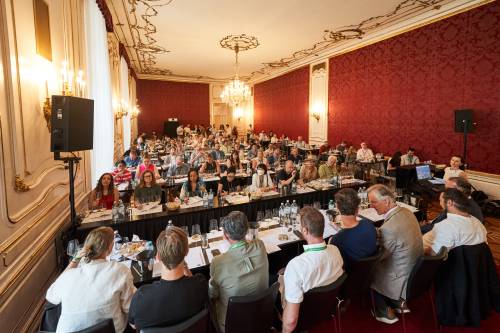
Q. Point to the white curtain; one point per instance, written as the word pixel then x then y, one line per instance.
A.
pixel 125 96
pixel 99 82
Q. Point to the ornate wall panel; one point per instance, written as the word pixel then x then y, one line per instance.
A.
pixel 34 188
pixel 402 91
pixel 318 103
pixel 281 104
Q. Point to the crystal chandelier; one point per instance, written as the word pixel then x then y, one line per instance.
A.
pixel 236 91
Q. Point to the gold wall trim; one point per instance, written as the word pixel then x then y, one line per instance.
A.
pixel 20 185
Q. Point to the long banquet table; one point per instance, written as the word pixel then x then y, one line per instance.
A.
pixel 149 226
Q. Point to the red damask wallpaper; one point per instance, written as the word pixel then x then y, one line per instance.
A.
pixel 403 91
pixel 281 104
pixel 160 100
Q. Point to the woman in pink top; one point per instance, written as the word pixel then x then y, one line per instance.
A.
pixel 146 165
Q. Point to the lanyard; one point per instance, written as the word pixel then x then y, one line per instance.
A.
pixel 315 249
pixel 237 245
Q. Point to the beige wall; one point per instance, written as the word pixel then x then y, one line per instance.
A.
pixel 32 213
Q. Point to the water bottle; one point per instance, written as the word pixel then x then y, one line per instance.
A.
pixel 282 212
pixel 331 205
pixel 211 198
pixel 115 212
pixel 287 208
pixel 121 210
pixel 205 200
pixel 169 225
pixel 360 193
pixel 117 241
pixel 150 246
pixel 294 209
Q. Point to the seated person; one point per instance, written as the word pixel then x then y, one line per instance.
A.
pixel 273 160
pixel 93 292
pixel 309 171
pixel 409 158
pixel 364 154
pixel 401 238
pixel 210 165
pixel 147 165
pixel 350 155
pixel 252 153
pixel 294 156
pixel 228 184
pixel 260 159
pixel 357 239
pixel 288 174
pixel 217 153
pixel 324 148
pixel 318 266
pixel 193 186
pixel 178 295
pixel 393 163
pixel 121 173
pixel 197 157
pixel 459 228
pixel 329 169
pixel 454 169
pixel 105 194
pixel 261 180
pixel 234 161
pixel 224 148
pixel 463 186
pixel 133 160
pixel 147 190
pixel 179 168
pixel 342 146
pixel 242 270
pixel 300 142
pixel 170 159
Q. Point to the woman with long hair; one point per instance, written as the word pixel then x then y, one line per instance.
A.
pixel 393 163
pixel 147 190
pixel 193 186
pixel 234 161
pixel 92 289
pixel 105 193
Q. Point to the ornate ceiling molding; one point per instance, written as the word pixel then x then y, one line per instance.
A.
pixel 355 31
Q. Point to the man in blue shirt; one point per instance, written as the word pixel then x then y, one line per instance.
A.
pixel 357 239
pixel 133 160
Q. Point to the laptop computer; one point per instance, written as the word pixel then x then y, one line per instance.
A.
pixel 424 173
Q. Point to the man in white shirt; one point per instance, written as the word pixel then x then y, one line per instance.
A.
pixel 459 228
pixel 300 142
pixel 318 266
pixel 364 154
pixel 410 158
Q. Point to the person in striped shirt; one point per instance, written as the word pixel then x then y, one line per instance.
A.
pixel 121 173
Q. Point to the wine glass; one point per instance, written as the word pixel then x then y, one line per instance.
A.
pixel 196 232
pixel 72 247
pixel 317 205
pixel 185 229
pixel 213 226
pixel 260 216
pixel 269 214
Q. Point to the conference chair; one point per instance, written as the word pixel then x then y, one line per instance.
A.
pixel 251 314
pixel 196 324
pixel 360 276
pixel 421 281
pixel 105 326
pixel 321 304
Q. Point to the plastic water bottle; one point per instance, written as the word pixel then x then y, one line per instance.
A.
pixel 282 212
pixel 117 240
pixel 331 205
pixel 115 212
pixel 169 225
pixel 150 246
pixel 205 200
pixel 287 208
pixel 211 198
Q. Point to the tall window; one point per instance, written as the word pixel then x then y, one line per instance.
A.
pixel 99 90
pixel 125 95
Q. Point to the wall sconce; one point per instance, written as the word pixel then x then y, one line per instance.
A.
pixel 316 111
pixel 134 112
pixel 67 81
pixel 121 110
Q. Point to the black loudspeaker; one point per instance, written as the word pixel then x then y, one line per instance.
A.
pixel 72 124
pixel 461 117
pixel 170 128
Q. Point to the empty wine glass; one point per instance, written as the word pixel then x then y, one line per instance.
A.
pixel 276 212
pixel 213 226
pixel 185 229
pixel 72 247
pixel 317 205
pixel 269 214
pixel 260 216
pixel 196 232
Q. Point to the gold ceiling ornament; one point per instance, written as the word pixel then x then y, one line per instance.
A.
pixel 356 31
pixel 236 92
pixel 20 185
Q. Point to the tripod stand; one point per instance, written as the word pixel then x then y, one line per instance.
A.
pixel 70 162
